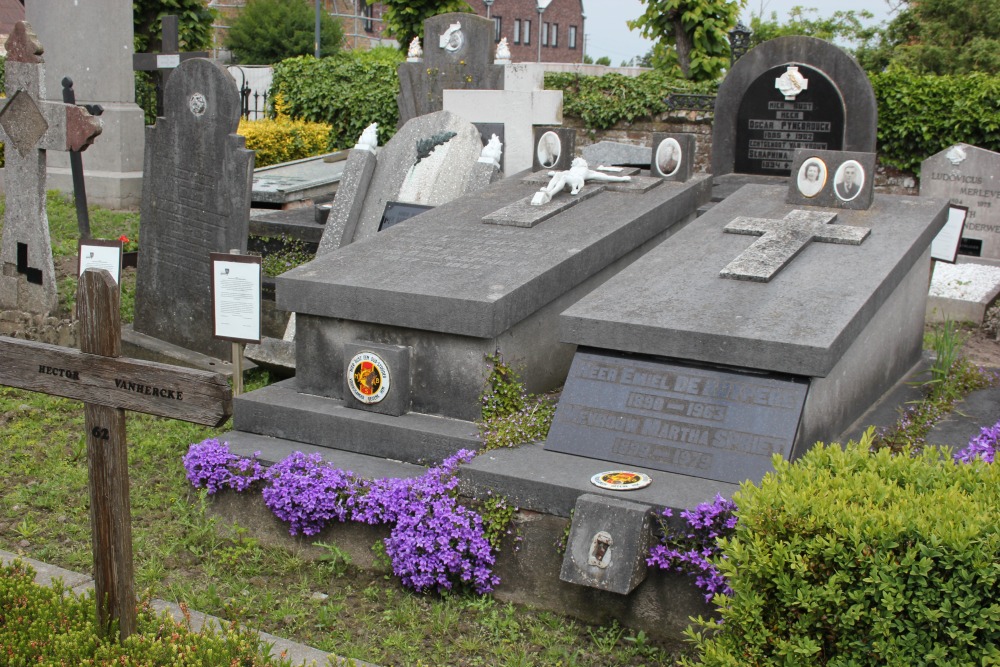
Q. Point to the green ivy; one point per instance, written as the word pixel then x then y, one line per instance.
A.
pixel 920 114
pixel 512 416
pixel 348 91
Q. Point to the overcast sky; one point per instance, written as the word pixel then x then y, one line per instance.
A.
pixel 607 34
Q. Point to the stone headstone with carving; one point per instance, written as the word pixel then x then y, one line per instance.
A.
pixel 196 200
pixel 759 329
pixel 92 43
pixel 458 54
pixel 29 127
pixel 789 93
pixel 968 176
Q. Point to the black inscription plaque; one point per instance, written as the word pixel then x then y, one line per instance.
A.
pixel 769 127
pixel 396 212
pixel 704 423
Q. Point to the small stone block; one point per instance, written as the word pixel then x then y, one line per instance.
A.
pixel 608 544
pixel 555 148
pixel 523 214
pixel 397 361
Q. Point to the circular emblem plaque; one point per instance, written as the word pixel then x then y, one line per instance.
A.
pixel 197 104
pixel 368 377
pixel 621 480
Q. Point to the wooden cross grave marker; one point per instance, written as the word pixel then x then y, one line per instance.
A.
pixel 108 385
pixel 781 240
pixel 167 60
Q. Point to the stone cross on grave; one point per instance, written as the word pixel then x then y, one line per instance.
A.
pixel 781 240
pixel 108 385
pixel 30 125
pixel 167 60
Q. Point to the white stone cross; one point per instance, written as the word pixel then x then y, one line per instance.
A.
pixel 781 240
pixel 30 125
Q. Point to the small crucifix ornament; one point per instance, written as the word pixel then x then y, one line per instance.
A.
pixel 791 83
pixel 781 240
pixel 29 126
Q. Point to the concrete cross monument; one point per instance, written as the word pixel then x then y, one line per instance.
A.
pixel 29 126
pixel 781 240
pixel 109 385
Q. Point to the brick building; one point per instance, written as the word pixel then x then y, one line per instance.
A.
pixel 555 36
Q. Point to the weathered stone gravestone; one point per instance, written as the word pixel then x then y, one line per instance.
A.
pixel 717 350
pixel 30 126
pixel 458 54
pixel 789 93
pixel 968 176
pixel 196 200
pixel 92 43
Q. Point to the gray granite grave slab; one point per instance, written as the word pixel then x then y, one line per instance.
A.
pixel 837 111
pixel 523 214
pixel 92 43
pixel 462 60
pixel 30 127
pixel 968 176
pixel 454 289
pixel 342 222
pixel 829 188
pixel 849 317
pixel 702 422
pixel 616 153
pixel 672 155
pixel 608 544
pixel 297 180
pixel 555 148
pixel 196 200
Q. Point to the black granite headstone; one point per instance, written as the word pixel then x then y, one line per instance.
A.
pixel 701 422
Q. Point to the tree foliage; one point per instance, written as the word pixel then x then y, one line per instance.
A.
pixel 844 27
pixel 269 31
pixel 945 36
pixel 194 24
pixel 404 19
pixel 691 35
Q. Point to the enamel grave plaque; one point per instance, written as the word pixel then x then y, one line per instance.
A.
pixel 706 423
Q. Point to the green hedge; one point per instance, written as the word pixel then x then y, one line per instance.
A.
pixel 919 115
pixel 348 91
pixel 853 558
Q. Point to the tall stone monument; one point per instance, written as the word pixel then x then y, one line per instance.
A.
pixel 92 43
pixel 29 128
pixel 195 201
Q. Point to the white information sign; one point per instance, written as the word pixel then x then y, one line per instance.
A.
pixel 168 61
pixel 236 297
pixel 105 255
pixel 945 244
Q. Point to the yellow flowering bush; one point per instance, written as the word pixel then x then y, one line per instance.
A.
pixel 284 139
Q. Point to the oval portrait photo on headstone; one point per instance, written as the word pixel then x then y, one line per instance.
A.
pixel 368 377
pixel 668 157
pixel 812 177
pixel 849 180
pixel 549 149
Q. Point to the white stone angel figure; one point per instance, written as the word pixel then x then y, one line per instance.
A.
pixel 492 151
pixel 574 178
pixel 414 53
pixel 503 51
pixel 368 141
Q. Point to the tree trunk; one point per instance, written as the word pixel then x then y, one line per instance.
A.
pixel 683 46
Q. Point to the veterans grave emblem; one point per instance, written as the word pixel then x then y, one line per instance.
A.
pixel 368 377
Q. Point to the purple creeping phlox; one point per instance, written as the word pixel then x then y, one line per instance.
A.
pixel 210 464
pixel 434 541
pixel 691 549
pixel 983 446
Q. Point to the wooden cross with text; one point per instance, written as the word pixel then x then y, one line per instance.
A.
pixel 108 385
pixel 167 60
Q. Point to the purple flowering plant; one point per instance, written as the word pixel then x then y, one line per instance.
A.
pixel 693 548
pixel 434 542
pixel 983 446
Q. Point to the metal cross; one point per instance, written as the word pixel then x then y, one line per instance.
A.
pixel 781 240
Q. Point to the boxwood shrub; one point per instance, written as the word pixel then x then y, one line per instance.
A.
pixel 848 557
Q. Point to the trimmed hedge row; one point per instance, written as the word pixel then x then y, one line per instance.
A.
pixel 283 139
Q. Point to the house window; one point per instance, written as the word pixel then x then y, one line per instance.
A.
pixel 527 31
pixel 367 11
pixel 572 37
pixel 545 34
pixel 497 25
pixel 517 31
pixel 554 40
